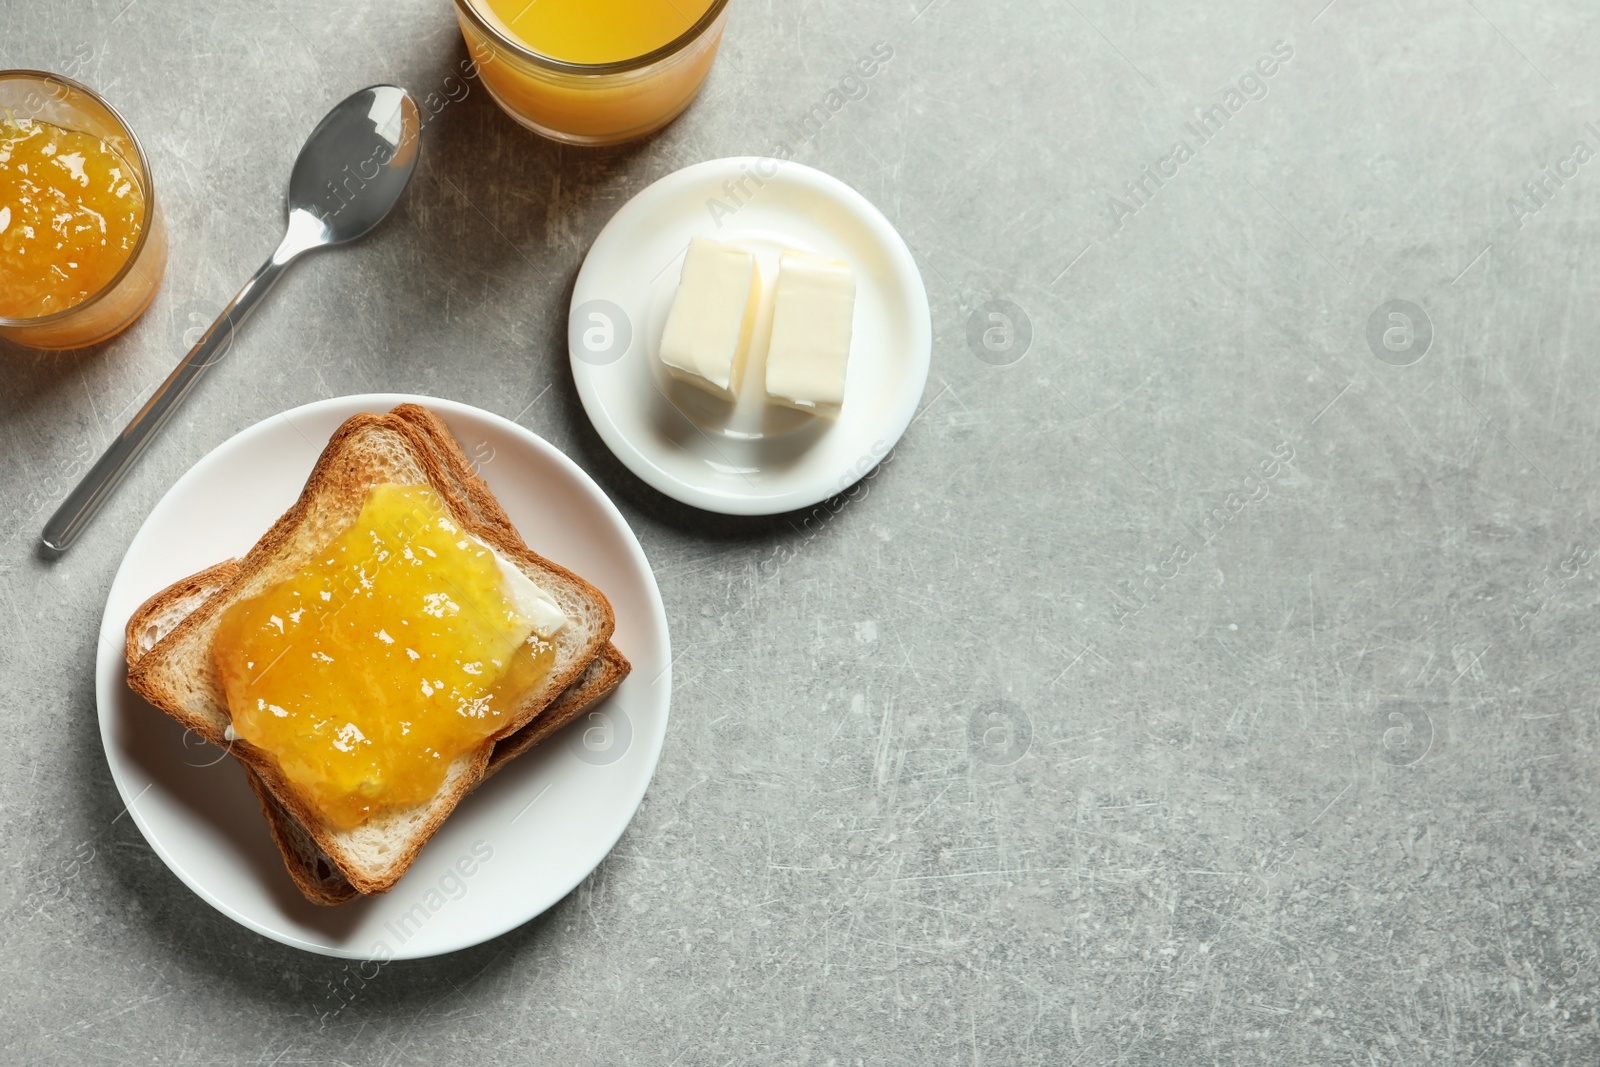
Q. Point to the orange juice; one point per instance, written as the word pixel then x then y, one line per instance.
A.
pixel 592 71
pixel 597 31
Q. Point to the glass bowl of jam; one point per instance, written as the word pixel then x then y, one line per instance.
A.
pixel 82 243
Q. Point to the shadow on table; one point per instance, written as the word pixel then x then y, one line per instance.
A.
pixel 32 375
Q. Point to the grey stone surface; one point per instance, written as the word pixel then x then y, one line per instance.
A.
pixel 1198 688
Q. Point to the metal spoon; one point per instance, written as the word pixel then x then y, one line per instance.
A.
pixel 350 174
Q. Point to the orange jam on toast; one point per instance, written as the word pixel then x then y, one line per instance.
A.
pixel 70 215
pixel 402 644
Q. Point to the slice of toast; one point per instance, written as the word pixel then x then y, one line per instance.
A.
pixel 408 446
pixel 313 873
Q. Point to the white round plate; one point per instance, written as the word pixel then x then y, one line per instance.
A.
pixel 749 458
pixel 511 849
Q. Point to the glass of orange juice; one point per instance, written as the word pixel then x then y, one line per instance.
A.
pixel 593 72
pixel 82 243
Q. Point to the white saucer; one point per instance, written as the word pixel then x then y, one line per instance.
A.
pixel 527 838
pixel 746 459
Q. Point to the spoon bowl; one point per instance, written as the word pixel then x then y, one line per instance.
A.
pixel 357 162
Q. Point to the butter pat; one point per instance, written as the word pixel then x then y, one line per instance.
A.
pixel 531 602
pixel 811 322
pixel 713 315
pixel 536 606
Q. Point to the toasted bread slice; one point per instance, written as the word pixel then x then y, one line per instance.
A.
pixel 408 446
pixel 314 874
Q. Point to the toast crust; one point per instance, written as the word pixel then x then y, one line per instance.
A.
pixel 363 452
pixel 313 873
pixel 160 614
pixel 607 671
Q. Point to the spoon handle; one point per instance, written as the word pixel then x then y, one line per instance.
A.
pixel 80 506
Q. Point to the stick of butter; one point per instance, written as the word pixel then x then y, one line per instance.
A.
pixel 713 315
pixel 811 322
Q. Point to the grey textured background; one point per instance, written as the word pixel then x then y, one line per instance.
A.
pixel 1310 768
